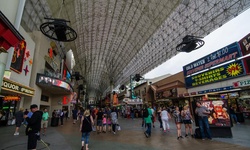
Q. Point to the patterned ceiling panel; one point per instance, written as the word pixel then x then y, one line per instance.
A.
pixel 119 38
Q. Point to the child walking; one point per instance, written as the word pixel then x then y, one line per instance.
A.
pixel 109 123
pixel 104 123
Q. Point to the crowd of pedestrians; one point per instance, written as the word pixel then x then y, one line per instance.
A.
pixel 103 120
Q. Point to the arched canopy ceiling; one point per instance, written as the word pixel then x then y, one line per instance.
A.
pixel 119 38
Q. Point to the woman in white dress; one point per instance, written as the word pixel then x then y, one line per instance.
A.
pixel 165 116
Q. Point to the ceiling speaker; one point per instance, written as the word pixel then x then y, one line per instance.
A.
pixel 190 43
pixel 57 29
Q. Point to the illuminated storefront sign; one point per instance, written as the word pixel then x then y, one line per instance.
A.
pixel 55 82
pixel 241 83
pixel 245 48
pixel 245 45
pixel 223 55
pixel 17 88
pixel 11 98
pixel 227 71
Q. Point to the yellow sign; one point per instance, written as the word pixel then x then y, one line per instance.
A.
pixel 12 86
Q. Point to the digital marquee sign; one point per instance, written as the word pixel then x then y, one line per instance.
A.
pixel 223 55
pixel 227 71
pixel 52 81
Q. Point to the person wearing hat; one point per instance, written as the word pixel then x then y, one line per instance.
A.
pixel 34 125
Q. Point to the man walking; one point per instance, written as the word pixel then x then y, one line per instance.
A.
pixel 203 113
pixel 19 120
pixel 148 121
pixel 45 119
pixel 34 126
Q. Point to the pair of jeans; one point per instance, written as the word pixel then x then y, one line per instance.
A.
pixel 113 127
pixel 85 137
pixel 148 131
pixel 233 116
pixel 132 115
pixel 204 125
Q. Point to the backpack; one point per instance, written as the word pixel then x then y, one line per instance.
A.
pixel 145 113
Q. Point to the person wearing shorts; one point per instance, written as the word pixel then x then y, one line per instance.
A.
pixel 187 117
pixel 44 123
pixel 19 120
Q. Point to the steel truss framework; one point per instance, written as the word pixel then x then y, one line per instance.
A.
pixel 119 38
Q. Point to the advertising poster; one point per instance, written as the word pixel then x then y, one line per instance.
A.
pixel 225 72
pixel 220 56
pixel 18 57
pixel 219 116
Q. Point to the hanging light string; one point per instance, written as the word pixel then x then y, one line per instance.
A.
pixel 61 9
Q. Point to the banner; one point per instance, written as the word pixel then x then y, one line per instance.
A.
pixel 223 55
pixel 225 72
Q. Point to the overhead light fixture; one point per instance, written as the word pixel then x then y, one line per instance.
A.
pixel 122 87
pixel 57 29
pixel 137 77
pixel 190 43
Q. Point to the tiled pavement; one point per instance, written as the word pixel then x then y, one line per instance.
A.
pixel 131 137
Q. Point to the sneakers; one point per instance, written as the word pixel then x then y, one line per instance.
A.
pixel 146 134
pixel 238 123
pixel 114 133
pixel 186 135
pixel 16 133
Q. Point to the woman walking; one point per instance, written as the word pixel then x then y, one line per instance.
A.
pixel 114 120
pixel 186 115
pixel 165 117
pixel 86 127
pixel 159 116
pixel 178 121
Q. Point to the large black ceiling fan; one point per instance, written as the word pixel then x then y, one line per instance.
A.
pixel 190 43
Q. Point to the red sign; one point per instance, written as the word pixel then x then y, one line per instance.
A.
pixel 245 49
pixel 193 93
pixel 9 36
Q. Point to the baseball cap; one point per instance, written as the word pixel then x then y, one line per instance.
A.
pixel 33 106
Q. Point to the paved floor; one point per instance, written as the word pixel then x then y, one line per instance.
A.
pixel 131 137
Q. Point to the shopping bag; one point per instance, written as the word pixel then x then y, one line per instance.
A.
pixel 118 128
pixel 93 128
pixel 13 122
